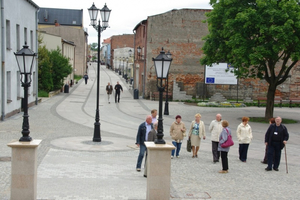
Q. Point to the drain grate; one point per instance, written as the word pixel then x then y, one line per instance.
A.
pixel 191 195
pixel 97 143
pixel 5 159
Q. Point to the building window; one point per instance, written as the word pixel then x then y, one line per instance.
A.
pixel 31 40
pixel 8 87
pixel 25 36
pixel 18 36
pixel 8 47
pixel 18 85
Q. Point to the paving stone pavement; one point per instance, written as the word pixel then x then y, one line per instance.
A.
pixel 71 166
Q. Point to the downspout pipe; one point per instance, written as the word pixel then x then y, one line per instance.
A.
pixel 134 66
pixel 36 60
pixel 2 64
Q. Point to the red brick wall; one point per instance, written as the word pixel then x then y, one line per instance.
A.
pixel 120 41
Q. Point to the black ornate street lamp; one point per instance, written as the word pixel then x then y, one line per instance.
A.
pixel 126 75
pixel 25 60
pixel 129 55
pixel 123 66
pixel 105 13
pixel 120 71
pixel 162 65
pixel 166 111
pixel 139 49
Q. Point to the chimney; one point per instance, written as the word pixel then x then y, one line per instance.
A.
pixel 56 23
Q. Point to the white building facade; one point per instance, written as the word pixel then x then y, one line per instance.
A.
pixel 19 22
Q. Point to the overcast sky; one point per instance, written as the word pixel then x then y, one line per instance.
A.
pixel 125 14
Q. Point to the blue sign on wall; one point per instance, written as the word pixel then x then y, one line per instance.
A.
pixel 210 80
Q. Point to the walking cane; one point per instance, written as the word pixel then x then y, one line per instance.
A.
pixel 286 166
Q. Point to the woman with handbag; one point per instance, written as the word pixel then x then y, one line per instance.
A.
pixel 197 131
pixel 225 142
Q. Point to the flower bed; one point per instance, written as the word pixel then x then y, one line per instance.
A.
pixel 221 104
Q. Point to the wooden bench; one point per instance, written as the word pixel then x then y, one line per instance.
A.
pixel 155 95
pixel 294 100
pixel 264 99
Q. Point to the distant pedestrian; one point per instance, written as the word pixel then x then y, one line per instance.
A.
pixel 152 135
pixel 141 137
pixel 265 160
pixel 86 77
pixel 154 115
pixel 118 89
pixel 276 137
pixel 177 132
pixel 197 131
pixel 244 136
pixel 224 151
pixel 109 90
pixel 215 129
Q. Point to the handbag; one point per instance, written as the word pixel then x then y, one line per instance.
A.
pixel 189 145
pixel 229 142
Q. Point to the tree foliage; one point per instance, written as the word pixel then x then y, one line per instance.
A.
pixel 260 38
pixel 94 46
pixel 45 74
pixel 53 68
pixel 61 68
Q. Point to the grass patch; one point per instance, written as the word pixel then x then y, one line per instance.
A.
pixel 43 93
pixel 263 120
pixel 77 77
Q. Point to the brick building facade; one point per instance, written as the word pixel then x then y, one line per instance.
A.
pixel 181 32
pixel 118 42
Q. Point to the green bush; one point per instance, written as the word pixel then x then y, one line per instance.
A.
pixel 77 77
pixel 43 93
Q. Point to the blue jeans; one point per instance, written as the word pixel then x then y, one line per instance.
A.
pixel 177 146
pixel 143 149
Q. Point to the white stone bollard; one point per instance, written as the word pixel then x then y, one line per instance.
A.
pixel 158 170
pixel 24 170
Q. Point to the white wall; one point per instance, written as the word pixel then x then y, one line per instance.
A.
pixel 52 42
pixel 23 14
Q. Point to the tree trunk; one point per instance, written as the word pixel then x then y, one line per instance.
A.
pixel 270 101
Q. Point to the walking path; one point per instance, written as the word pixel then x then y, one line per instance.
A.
pixel 71 166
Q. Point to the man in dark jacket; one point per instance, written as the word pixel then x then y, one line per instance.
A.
pixel 276 137
pixel 141 137
pixel 118 89
pixel 151 138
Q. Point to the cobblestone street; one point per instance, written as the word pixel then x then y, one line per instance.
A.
pixel 71 166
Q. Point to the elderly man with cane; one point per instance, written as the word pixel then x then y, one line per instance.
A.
pixel 276 137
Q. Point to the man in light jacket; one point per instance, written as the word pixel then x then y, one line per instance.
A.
pixel 215 128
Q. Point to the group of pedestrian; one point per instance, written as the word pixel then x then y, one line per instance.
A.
pixel 118 88
pixel 275 139
pixel 109 88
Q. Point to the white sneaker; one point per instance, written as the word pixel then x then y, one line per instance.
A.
pixel 177 156
pixel 172 157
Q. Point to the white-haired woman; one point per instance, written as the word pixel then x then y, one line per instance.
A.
pixel 197 131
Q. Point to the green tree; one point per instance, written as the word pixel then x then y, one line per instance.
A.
pixel 61 68
pixel 44 72
pixel 260 38
pixel 94 46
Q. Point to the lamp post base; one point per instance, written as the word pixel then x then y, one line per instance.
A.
pixel 160 141
pixel 97 135
pixel 25 139
pixel 166 112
